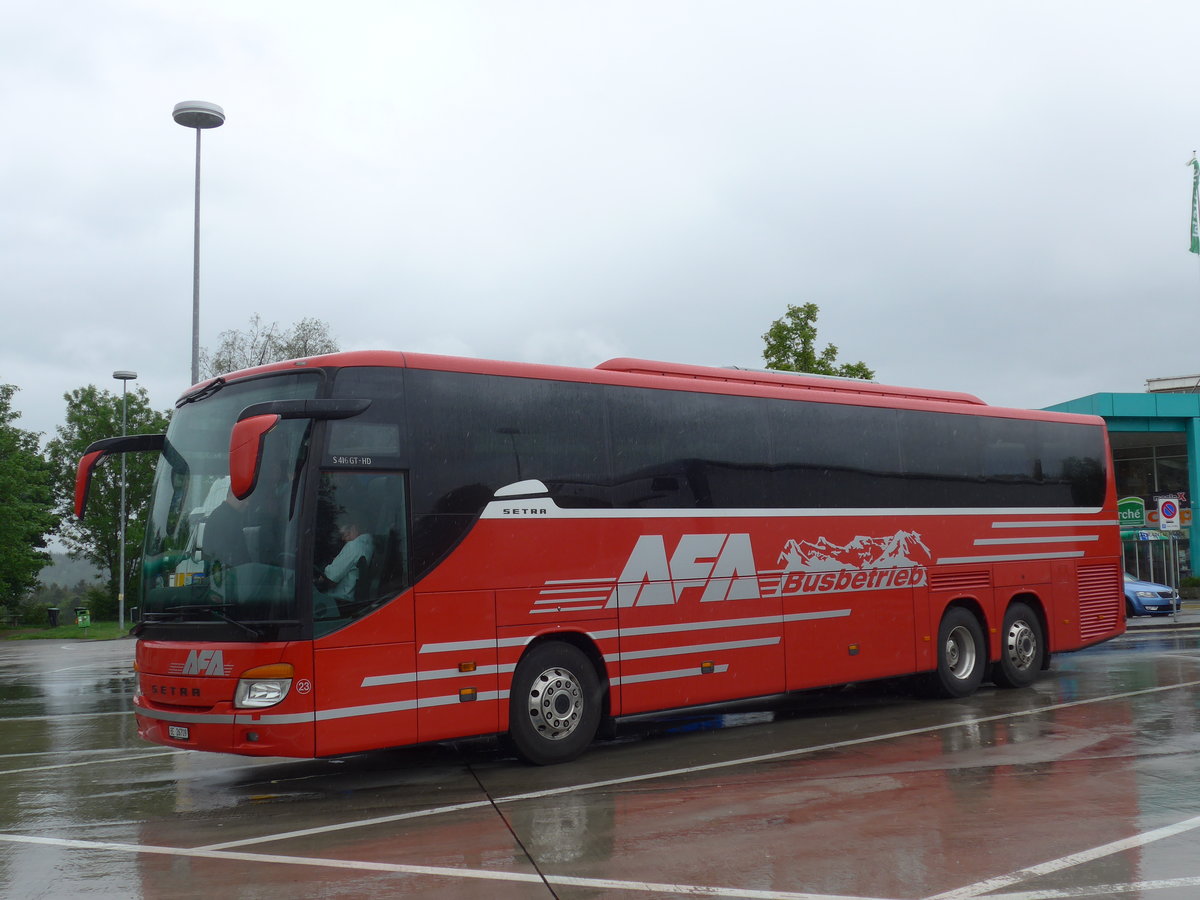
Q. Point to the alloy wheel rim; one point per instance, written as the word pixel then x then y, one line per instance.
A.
pixel 1022 648
pixel 555 703
pixel 960 652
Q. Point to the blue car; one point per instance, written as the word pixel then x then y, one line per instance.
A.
pixel 1145 598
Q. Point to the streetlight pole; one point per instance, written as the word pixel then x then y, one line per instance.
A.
pixel 197 114
pixel 124 376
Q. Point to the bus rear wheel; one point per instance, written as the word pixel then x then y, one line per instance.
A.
pixel 1021 648
pixel 961 655
pixel 554 704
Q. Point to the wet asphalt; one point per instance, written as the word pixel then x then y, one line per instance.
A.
pixel 1085 785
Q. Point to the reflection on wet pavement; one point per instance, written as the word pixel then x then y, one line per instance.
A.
pixel 1081 786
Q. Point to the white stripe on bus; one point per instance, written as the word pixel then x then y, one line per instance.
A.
pixel 667 676
pixel 497 509
pixel 694 648
pixel 1012 557
pixel 1078 523
pixel 1056 539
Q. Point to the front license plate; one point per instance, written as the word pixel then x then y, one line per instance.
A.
pixel 178 732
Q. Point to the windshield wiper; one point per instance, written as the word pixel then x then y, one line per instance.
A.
pixel 216 610
pixel 201 393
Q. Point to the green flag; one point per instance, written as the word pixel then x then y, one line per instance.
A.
pixel 1195 205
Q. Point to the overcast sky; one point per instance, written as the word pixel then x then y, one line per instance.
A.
pixel 989 197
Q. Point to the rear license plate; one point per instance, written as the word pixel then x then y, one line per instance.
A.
pixel 178 732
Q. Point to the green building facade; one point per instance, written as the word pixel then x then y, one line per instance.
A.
pixel 1156 450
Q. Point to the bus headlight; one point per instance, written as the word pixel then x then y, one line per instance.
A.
pixel 263 686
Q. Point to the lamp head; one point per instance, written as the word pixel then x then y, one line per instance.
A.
pixel 198 114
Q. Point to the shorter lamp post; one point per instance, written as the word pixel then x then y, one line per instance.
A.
pixel 124 376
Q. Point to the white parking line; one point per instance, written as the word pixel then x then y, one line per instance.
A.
pixel 437 871
pixel 1067 862
pixel 987 886
pixel 360 823
pixel 91 762
pixel 1100 890
pixel 691 770
pixel 94 751
pixel 60 716
pixel 119 671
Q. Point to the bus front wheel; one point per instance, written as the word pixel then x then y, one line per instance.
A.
pixel 554 704
pixel 961 655
pixel 1021 648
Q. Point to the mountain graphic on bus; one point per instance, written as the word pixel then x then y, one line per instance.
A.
pixel 902 549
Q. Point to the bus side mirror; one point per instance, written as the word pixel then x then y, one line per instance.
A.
pixel 246 439
pixel 83 479
pixel 97 450
pixel 245 452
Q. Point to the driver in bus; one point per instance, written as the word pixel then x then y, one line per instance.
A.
pixel 336 582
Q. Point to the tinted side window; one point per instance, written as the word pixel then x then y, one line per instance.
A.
pixel 1073 463
pixel 680 450
pixel 1041 464
pixel 374 439
pixel 829 455
pixel 473 434
pixel 942 459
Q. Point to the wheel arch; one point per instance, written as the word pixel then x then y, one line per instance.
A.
pixel 975 608
pixel 586 644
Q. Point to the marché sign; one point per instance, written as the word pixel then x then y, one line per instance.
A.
pixel 1132 513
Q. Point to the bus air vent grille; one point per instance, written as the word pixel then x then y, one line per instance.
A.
pixel 960 581
pixel 1100 600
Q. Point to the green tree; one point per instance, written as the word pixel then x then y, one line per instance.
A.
pixel 93 414
pixel 791 346
pixel 27 502
pixel 260 344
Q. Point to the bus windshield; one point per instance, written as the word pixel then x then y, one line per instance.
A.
pixel 209 557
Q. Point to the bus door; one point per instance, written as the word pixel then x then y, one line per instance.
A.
pixel 365 672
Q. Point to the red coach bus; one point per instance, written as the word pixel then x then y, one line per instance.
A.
pixel 372 549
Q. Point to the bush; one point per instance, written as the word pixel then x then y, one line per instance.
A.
pixel 30 611
pixel 33 611
pixel 101 602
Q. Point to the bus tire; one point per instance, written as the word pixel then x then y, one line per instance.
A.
pixel 961 655
pixel 1021 648
pixel 554 704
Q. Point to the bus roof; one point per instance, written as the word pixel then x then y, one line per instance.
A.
pixel 792 380
pixel 673 376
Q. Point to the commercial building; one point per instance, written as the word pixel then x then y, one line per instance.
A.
pixel 1156 454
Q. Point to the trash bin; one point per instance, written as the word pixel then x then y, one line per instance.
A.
pixel 52 612
pixel 83 617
